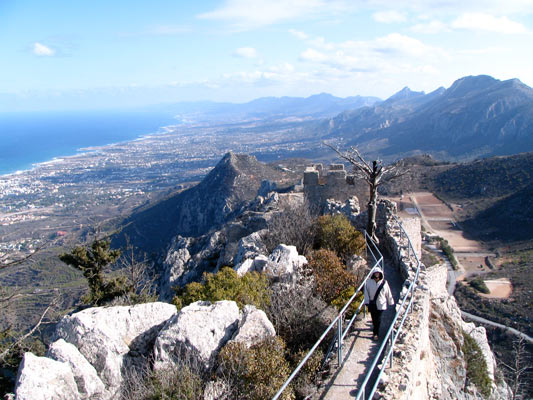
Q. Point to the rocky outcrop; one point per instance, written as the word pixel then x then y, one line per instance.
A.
pixel 350 208
pixel 218 199
pixel 284 263
pixel 254 326
pixel 113 339
pixel 89 384
pixel 41 378
pixel 196 334
pixel 238 241
pixel 250 247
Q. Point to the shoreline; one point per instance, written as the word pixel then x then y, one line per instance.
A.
pixel 86 150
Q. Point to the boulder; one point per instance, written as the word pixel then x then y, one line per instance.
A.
pixel 254 326
pixel 196 334
pixel 284 262
pixel 249 247
pixel 244 267
pixel 90 386
pixel 257 264
pixel 114 339
pixel 41 378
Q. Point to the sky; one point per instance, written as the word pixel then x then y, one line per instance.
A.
pixel 61 54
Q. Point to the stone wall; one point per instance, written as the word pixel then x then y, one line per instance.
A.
pixel 428 359
pixel 321 184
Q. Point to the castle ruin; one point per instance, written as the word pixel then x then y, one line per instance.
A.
pixel 321 184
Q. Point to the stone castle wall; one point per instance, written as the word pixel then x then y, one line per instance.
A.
pixel 428 358
pixel 321 184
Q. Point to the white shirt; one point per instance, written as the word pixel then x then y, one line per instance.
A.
pixel 385 296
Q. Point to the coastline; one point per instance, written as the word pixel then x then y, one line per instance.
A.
pixel 35 139
pixel 85 151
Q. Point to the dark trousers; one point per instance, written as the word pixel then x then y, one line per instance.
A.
pixel 376 317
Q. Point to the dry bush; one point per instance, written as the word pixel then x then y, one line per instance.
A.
pixel 182 382
pixel 298 315
pixel 293 225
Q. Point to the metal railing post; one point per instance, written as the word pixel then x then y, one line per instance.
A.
pixel 391 344
pixel 339 341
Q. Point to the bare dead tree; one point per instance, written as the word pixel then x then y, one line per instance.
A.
pixel 375 174
pixel 518 371
pixel 139 273
pixel 18 341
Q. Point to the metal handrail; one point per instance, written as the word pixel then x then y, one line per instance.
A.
pixel 337 321
pixel 393 332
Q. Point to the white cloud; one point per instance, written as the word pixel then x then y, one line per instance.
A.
pixel 40 49
pixel 300 35
pixel 252 14
pixel 245 52
pixel 487 22
pixel 391 54
pixel 390 16
pixel 313 55
pixel 431 27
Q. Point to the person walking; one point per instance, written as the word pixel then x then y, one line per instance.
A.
pixel 377 296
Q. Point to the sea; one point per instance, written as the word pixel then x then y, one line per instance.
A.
pixel 28 138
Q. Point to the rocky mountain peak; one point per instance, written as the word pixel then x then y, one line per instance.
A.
pixel 405 94
pixel 229 186
pixel 467 84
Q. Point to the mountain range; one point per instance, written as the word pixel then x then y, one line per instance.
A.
pixel 478 116
pixel 321 105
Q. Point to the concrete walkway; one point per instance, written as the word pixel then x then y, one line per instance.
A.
pixel 359 350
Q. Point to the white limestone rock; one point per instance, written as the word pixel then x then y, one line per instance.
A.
pixel 196 334
pixel 284 262
pixel 244 267
pixel 90 386
pixel 176 264
pixel 258 264
pixel 115 338
pixel 254 326
pixel 249 247
pixel 41 378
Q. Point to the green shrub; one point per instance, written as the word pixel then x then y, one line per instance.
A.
pixel 336 233
pixel 343 298
pixel 255 373
pixel 448 251
pixel 479 284
pixel 331 276
pixel 476 366
pixel 251 288
pixel 92 261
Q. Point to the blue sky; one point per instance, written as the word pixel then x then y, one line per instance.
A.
pixel 58 55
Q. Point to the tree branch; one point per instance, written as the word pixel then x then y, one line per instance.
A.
pixel 6 352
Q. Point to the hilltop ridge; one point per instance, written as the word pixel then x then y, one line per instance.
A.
pixel 233 182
